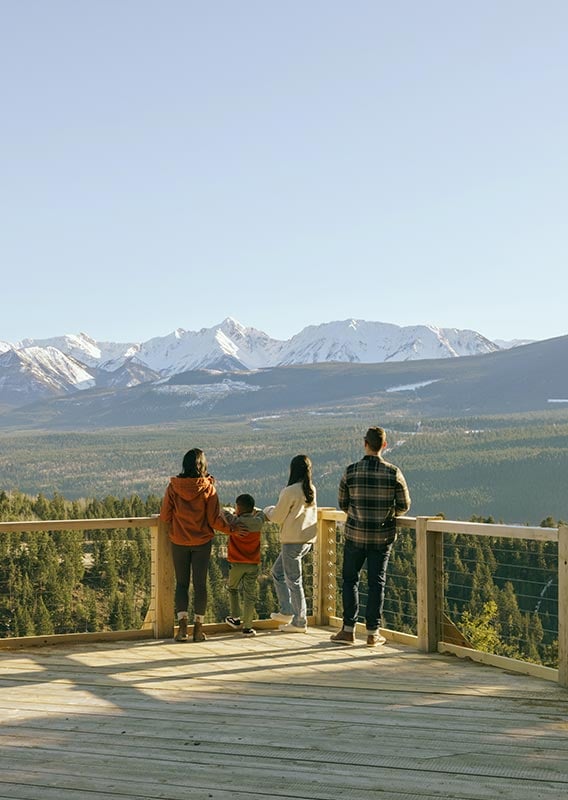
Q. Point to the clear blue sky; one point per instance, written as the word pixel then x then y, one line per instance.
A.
pixel 168 164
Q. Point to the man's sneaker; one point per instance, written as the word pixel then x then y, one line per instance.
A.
pixel 343 637
pixel 234 622
pixel 375 639
pixel 283 618
pixel 289 628
pixel 249 632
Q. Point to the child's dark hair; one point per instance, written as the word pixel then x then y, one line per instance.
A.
pixel 194 464
pixel 301 471
pixel 246 503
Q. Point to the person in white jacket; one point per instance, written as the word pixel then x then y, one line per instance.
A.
pixel 296 513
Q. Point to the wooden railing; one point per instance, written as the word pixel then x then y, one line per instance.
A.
pixel 159 621
pixel 431 631
pixel 161 598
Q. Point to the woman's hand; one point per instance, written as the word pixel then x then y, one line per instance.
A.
pixel 241 529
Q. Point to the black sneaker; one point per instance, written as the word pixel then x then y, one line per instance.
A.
pixel 249 632
pixel 233 622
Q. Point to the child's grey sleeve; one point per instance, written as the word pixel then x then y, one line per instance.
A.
pixel 230 519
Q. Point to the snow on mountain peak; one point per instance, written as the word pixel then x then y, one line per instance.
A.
pixel 231 346
pixel 232 325
pixel 48 367
pixel 376 342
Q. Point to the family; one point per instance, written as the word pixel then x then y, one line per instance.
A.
pixel 372 492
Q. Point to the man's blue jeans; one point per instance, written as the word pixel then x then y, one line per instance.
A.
pixel 354 557
pixel 287 577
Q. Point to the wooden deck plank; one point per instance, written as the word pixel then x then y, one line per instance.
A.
pixel 392 716
pixel 278 778
pixel 425 743
pixel 393 708
pixel 176 749
pixel 275 717
pixel 334 666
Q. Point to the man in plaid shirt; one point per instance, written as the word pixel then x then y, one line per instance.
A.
pixel 373 493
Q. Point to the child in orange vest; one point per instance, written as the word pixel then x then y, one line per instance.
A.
pixel 244 558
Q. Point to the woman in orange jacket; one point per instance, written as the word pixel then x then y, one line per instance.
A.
pixel 190 509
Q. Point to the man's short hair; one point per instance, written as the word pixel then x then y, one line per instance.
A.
pixel 375 438
pixel 246 503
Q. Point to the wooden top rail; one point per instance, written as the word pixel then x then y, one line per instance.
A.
pixel 493 529
pixel 78 524
pixel 435 525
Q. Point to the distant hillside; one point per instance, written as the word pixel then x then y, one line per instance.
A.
pixel 528 378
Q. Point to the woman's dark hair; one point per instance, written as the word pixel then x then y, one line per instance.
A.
pixel 194 464
pixel 301 471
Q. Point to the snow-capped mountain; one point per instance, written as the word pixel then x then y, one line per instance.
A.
pixel 507 344
pixel 127 375
pixel 34 372
pixel 377 342
pixel 71 362
pixel 226 346
pixel 85 349
pixel 231 345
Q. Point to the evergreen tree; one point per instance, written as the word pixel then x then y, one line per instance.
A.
pixel 42 619
pixel 116 616
pixel 23 622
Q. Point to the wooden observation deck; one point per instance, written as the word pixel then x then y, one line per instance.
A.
pixel 135 716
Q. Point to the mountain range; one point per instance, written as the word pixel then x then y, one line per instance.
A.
pixel 156 389
pixel 40 368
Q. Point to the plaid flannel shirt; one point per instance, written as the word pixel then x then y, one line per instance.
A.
pixel 371 492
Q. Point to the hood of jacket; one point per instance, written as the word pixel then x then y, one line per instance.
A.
pixel 190 488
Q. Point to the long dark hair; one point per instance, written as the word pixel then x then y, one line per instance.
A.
pixel 301 471
pixel 194 464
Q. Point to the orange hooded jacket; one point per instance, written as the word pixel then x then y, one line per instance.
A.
pixel 191 509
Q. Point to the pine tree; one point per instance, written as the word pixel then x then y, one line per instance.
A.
pixel 116 616
pixel 23 622
pixel 42 619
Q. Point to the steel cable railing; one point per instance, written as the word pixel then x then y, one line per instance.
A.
pixel 503 595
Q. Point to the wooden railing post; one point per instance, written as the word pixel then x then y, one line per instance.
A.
pixel 429 586
pixel 324 570
pixel 563 605
pixel 162 583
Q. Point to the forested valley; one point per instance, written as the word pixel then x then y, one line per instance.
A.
pixel 510 467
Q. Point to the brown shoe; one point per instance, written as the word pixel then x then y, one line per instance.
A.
pixel 343 637
pixel 181 635
pixel 375 639
pixel 198 634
